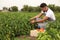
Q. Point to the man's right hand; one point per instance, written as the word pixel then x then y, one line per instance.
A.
pixel 32 22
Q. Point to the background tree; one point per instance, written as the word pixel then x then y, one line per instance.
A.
pixel 31 9
pixel 14 8
pixel 5 8
pixel 38 9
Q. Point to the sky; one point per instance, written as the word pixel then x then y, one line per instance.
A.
pixel 21 3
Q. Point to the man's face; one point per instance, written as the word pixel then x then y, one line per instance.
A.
pixel 44 9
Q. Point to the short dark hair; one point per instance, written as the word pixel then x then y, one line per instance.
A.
pixel 43 5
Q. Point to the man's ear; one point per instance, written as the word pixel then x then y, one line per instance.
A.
pixel 45 18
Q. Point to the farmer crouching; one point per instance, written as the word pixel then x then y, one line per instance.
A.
pixel 48 15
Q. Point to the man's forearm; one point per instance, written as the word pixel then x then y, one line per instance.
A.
pixel 39 21
pixel 35 17
pixel 39 15
pixel 42 20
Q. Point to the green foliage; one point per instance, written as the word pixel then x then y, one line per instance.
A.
pixel 51 34
pixel 14 24
pixel 17 23
pixel 25 8
pixel 14 8
pixel 54 8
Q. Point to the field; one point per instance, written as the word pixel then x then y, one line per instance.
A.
pixel 13 24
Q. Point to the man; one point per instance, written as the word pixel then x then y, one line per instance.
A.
pixel 48 15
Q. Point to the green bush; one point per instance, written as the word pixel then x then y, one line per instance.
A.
pixel 14 24
pixel 50 34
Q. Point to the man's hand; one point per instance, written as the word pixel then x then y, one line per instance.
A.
pixel 33 21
